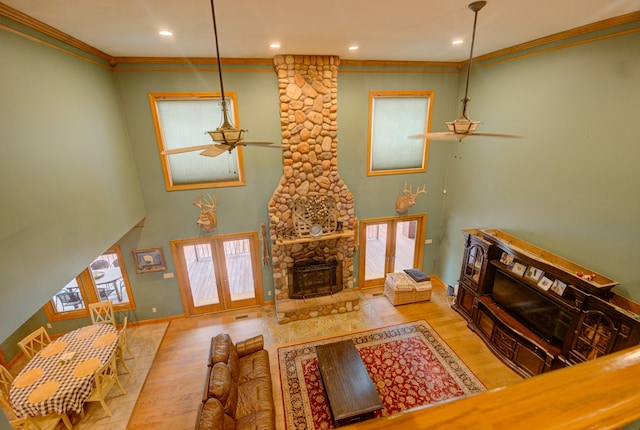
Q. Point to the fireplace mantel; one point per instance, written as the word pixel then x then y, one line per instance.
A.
pixel 328 236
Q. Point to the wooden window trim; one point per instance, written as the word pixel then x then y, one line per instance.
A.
pixel 399 94
pixel 164 159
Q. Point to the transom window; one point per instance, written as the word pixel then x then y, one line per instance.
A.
pixel 181 121
pixel 394 116
pixel 104 280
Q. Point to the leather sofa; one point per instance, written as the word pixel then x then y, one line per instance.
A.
pixel 238 390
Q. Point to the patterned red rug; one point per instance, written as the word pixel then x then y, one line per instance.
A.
pixel 409 364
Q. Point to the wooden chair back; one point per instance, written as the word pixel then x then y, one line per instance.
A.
pixel 123 345
pixel 102 313
pixel 34 342
pixel 105 378
pixel 6 379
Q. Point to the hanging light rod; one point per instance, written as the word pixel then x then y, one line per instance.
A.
pixel 462 126
pixel 226 134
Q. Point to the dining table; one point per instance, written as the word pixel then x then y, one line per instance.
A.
pixel 60 377
pixel 104 278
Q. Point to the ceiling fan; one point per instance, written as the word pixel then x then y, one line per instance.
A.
pixel 226 137
pixel 462 126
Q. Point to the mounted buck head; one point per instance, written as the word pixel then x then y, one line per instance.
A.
pixel 207 219
pixel 408 200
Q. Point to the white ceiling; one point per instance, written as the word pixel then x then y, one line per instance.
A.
pixel 410 30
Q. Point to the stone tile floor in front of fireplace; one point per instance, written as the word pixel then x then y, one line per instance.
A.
pixel 311 328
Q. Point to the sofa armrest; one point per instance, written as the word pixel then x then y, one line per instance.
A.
pixel 249 346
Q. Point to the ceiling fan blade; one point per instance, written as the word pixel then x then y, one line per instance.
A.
pixel 447 135
pixel 517 136
pixel 443 135
pixel 215 150
pixel 185 149
pixel 261 144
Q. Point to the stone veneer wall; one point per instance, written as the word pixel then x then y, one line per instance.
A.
pixel 308 111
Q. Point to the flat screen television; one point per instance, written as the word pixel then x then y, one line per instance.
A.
pixel 540 314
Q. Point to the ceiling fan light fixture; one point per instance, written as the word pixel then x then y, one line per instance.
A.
pixel 226 135
pixel 462 125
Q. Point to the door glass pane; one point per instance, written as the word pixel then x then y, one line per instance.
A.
pixel 376 246
pixel 107 277
pixel 237 255
pixel 202 275
pixel 405 245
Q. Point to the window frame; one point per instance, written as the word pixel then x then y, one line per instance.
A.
pixel 372 143
pixel 232 102
pixel 89 293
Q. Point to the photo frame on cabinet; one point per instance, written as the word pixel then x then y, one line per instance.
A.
pixel 545 283
pixel 149 260
pixel 506 259
pixel 534 274
pixel 558 287
pixel 519 269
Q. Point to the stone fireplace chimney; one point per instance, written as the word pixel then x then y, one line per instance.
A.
pixel 308 112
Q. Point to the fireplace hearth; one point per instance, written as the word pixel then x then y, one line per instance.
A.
pixel 314 280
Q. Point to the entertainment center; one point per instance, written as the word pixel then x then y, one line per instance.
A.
pixel 537 311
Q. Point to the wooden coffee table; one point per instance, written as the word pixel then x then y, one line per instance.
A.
pixel 350 392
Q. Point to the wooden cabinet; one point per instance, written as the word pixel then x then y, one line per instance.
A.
pixel 560 317
pixel 522 350
pixel 474 267
pixel 593 337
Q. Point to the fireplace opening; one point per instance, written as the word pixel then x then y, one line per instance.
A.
pixel 315 279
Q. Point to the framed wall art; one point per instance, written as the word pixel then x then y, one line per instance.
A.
pixel 149 260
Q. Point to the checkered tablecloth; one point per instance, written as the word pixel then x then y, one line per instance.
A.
pixel 88 344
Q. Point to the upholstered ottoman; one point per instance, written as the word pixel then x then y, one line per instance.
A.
pixel 400 289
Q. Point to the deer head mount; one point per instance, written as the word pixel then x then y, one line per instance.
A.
pixel 207 219
pixel 408 199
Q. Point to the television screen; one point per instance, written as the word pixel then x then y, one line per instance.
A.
pixel 543 316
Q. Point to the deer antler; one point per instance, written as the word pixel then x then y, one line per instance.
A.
pixel 423 190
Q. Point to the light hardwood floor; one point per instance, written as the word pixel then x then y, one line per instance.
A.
pixel 173 389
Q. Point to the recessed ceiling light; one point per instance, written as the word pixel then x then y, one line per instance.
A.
pixel 165 33
pixel 457 42
pixel 274 45
pixel 354 48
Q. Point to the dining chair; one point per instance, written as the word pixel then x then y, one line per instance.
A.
pixel 69 299
pixel 123 345
pixel 99 264
pixel 47 422
pixel 34 342
pixel 105 378
pixel 102 313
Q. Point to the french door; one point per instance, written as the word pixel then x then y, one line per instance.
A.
pixel 390 245
pixel 218 273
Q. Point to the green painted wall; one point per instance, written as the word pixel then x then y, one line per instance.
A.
pixel 571 184
pixel 79 157
pixel 171 215
pixel 68 183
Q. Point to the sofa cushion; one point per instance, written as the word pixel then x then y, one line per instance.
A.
pixel 220 382
pixel 251 345
pixel 263 420
pixel 255 396
pixel 211 415
pixel 220 348
pixel 254 365
pixel 234 364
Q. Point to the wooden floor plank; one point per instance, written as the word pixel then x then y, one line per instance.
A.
pixel 173 389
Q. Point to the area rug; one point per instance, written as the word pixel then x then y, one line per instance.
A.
pixel 409 364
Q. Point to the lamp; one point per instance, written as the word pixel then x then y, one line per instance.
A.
pixel 227 133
